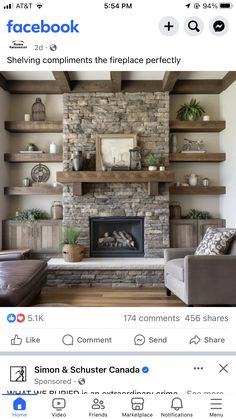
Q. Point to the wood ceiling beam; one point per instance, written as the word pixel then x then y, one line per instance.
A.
pixel 197 87
pixel 134 86
pixel 33 87
pixel 116 81
pixel 228 79
pixel 91 86
pixel 63 81
pixel 169 80
pixel 107 86
pixel 3 82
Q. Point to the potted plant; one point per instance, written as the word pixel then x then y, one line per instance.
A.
pixel 71 249
pixel 195 214
pixel 30 215
pixel 31 147
pixel 152 161
pixel 190 111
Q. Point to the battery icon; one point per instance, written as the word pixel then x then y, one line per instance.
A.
pixel 226 5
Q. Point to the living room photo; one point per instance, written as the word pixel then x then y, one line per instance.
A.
pixel 117 189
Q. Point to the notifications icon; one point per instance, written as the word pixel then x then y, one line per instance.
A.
pixel 68 340
pixel 139 340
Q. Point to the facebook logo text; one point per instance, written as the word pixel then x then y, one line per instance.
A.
pixel 42 27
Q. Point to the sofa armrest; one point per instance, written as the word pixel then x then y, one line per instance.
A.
pixel 4 256
pixel 210 278
pixel 178 253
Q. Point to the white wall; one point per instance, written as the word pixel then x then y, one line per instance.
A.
pixel 210 170
pixel 228 144
pixel 19 105
pixel 4 111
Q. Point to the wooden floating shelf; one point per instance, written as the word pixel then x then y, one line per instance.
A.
pixel 197 126
pixel 198 190
pixel 31 190
pixel 197 157
pixel 32 158
pixel 34 126
pixel 151 178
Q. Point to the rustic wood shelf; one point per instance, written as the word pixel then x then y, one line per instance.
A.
pixel 32 190
pixel 197 157
pixel 32 158
pixel 197 126
pixel 34 126
pixel 151 178
pixel 198 190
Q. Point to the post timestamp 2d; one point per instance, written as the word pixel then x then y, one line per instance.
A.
pixel 118 5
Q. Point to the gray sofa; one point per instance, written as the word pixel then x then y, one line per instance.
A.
pixel 201 280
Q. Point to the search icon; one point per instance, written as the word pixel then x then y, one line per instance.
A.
pixel 193 25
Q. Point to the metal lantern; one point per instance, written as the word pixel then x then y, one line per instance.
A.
pixel 135 158
pixel 38 110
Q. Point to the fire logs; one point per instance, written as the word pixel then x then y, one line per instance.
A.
pixel 116 239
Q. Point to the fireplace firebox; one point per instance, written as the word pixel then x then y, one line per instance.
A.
pixel 116 236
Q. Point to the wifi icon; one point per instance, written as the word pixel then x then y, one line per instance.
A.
pixel 39 5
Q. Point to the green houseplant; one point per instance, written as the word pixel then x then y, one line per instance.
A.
pixel 190 111
pixel 152 161
pixel 71 249
pixel 198 215
pixel 30 215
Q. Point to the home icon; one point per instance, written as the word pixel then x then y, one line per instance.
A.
pixel 19 404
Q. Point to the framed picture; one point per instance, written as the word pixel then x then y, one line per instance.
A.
pixel 112 151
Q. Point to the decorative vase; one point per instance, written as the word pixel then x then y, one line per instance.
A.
pixel 135 158
pixel 173 143
pixel 162 168
pixel 77 161
pixel 56 210
pixel 73 252
pixel 152 168
pixel 205 181
pixel 193 179
pixel 27 117
pixel 26 182
pixel 175 211
pixel 53 148
pixel 31 147
pixel 38 110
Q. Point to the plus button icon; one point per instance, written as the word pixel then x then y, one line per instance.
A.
pixel 169 26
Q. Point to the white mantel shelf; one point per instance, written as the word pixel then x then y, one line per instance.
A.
pixel 104 264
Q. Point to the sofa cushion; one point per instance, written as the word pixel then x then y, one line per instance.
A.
pixel 215 242
pixel 21 281
pixel 175 268
pixel 232 248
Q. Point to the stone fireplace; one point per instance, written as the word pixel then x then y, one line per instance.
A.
pixel 145 114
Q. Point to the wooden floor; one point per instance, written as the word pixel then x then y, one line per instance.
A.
pixel 108 297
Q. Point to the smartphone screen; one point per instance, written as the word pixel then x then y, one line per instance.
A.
pixel 117 220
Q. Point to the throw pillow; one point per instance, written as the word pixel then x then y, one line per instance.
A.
pixel 215 242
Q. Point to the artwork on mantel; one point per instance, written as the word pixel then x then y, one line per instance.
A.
pixel 113 151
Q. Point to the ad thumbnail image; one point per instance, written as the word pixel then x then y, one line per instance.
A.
pixel 117 189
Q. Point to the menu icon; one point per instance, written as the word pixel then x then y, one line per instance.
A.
pixel 216 403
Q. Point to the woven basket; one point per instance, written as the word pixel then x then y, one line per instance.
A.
pixel 73 252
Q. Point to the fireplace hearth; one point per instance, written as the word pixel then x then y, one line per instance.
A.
pixel 116 236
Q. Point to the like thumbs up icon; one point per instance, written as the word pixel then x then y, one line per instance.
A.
pixel 16 340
